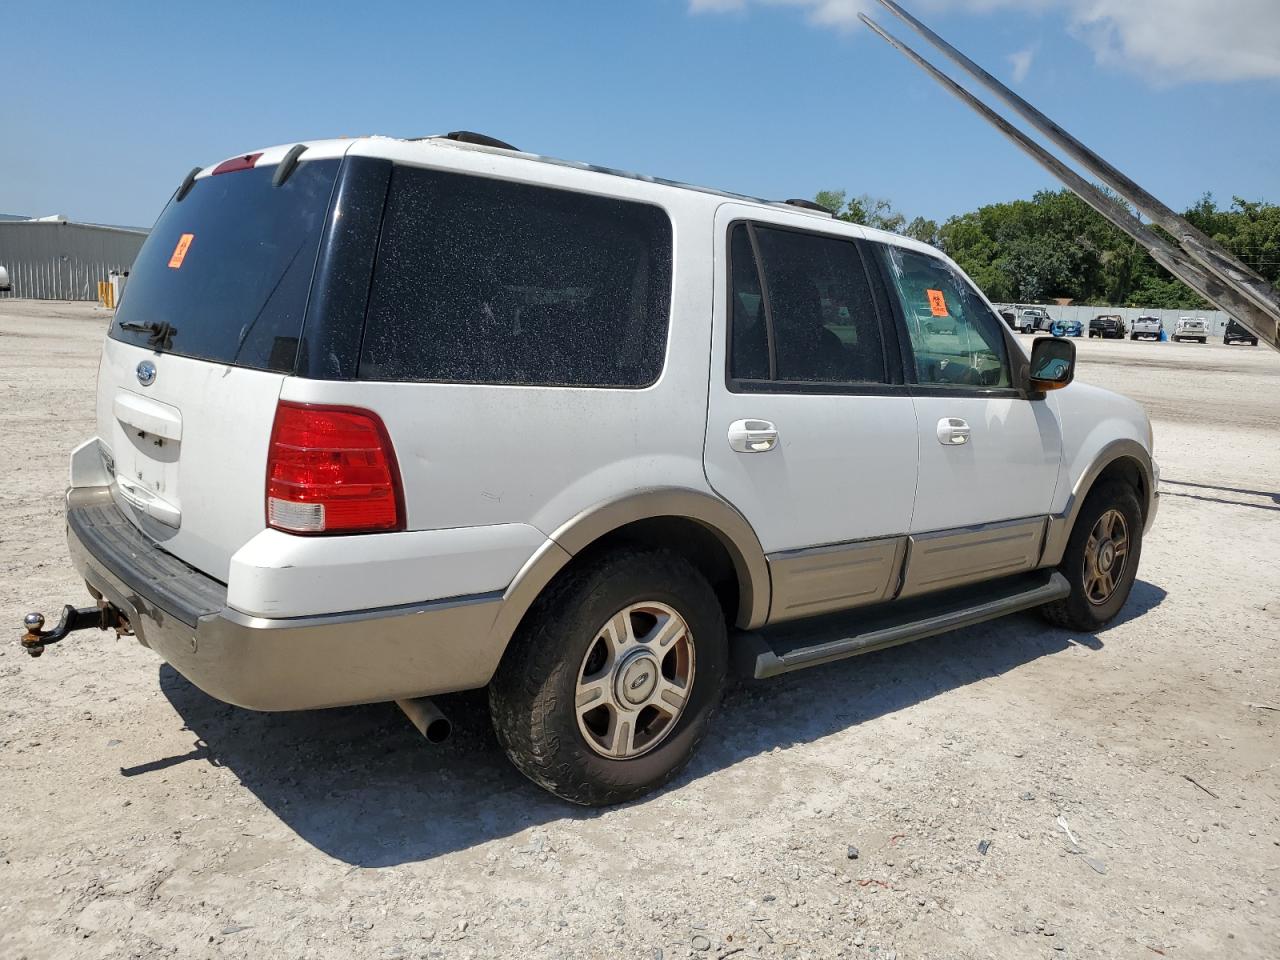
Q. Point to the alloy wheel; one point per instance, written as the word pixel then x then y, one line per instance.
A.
pixel 1106 554
pixel 635 680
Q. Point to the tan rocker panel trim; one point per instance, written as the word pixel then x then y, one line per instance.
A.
pixel 834 577
pixel 953 558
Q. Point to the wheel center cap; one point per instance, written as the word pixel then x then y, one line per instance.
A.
pixel 1106 555
pixel 637 680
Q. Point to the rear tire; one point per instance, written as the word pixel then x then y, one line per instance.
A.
pixel 1101 559
pixel 585 705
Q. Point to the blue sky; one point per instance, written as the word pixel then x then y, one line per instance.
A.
pixel 775 98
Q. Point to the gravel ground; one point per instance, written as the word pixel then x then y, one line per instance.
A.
pixel 1009 790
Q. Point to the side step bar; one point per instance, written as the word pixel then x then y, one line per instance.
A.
pixel 794 647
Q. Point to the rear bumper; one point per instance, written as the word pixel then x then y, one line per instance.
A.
pixel 292 663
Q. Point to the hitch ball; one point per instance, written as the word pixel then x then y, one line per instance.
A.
pixel 34 622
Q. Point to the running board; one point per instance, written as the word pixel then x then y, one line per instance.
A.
pixel 823 640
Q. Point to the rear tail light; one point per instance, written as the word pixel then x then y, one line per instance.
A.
pixel 331 470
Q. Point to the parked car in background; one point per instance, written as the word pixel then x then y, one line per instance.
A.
pixel 1108 326
pixel 1191 328
pixel 1238 334
pixel 1067 328
pixel 5 285
pixel 1032 319
pixel 1147 328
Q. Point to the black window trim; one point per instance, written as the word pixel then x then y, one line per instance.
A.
pixel 895 384
pixel 1013 352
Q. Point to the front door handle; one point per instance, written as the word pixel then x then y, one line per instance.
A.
pixel 953 432
pixel 752 436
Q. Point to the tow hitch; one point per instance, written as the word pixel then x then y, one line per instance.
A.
pixel 102 617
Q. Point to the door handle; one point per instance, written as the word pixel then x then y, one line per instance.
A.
pixel 752 436
pixel 953 432
pixel 149 503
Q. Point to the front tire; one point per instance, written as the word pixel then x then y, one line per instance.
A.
pixel 1101 559
pixel 612 680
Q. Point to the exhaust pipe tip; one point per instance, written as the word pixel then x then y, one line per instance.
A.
pixel 438 730
pixel 426 716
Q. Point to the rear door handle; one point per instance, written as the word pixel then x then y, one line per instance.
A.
pixel 752 436
pixel 953 432
pixel 149 503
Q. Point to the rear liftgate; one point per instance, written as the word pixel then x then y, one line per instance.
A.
pixel 1195 259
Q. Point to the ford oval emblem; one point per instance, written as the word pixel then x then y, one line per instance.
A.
pixel 146 373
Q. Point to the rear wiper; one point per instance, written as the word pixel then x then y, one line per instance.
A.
pixel 159 334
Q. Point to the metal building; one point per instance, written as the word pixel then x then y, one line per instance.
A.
pixel 58 259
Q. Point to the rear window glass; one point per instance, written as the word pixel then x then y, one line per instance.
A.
pixel 487 281
pixel 228 268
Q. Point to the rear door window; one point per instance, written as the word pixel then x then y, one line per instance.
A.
pixel 956 339
pixel 228 268
pixel 487 281
pixel 811 321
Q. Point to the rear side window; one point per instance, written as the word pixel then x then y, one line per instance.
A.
pixel 800 311
pixel 228 268
pixel 956 339
pixel 487 281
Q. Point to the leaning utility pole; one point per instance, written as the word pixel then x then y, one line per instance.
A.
pixel 1195 259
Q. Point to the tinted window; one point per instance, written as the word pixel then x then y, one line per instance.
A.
pixel 816 322
pixel 956 339
pixel 486 281
pixel 748 330
pixel 229 267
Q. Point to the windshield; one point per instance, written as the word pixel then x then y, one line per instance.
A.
pixel 225 273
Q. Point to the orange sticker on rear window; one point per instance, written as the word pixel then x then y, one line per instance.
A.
pixel 180 251
pixel 937 303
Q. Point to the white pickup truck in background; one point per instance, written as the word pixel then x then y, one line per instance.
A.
pixel 1147 327
pixel 1191 328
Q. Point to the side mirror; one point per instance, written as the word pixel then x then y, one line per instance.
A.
pixel 1053 363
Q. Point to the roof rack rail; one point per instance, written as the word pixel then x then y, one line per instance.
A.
pixel 479 139
pixel 810 205
pixel 1195 259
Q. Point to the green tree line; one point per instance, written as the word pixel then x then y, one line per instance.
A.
pixel 1056 246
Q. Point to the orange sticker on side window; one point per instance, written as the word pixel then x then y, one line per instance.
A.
pixel 937 303
pixel 180 251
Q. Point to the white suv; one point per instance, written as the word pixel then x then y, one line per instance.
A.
pixel 380 419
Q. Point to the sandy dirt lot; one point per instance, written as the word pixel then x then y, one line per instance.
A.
pixel 145 819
